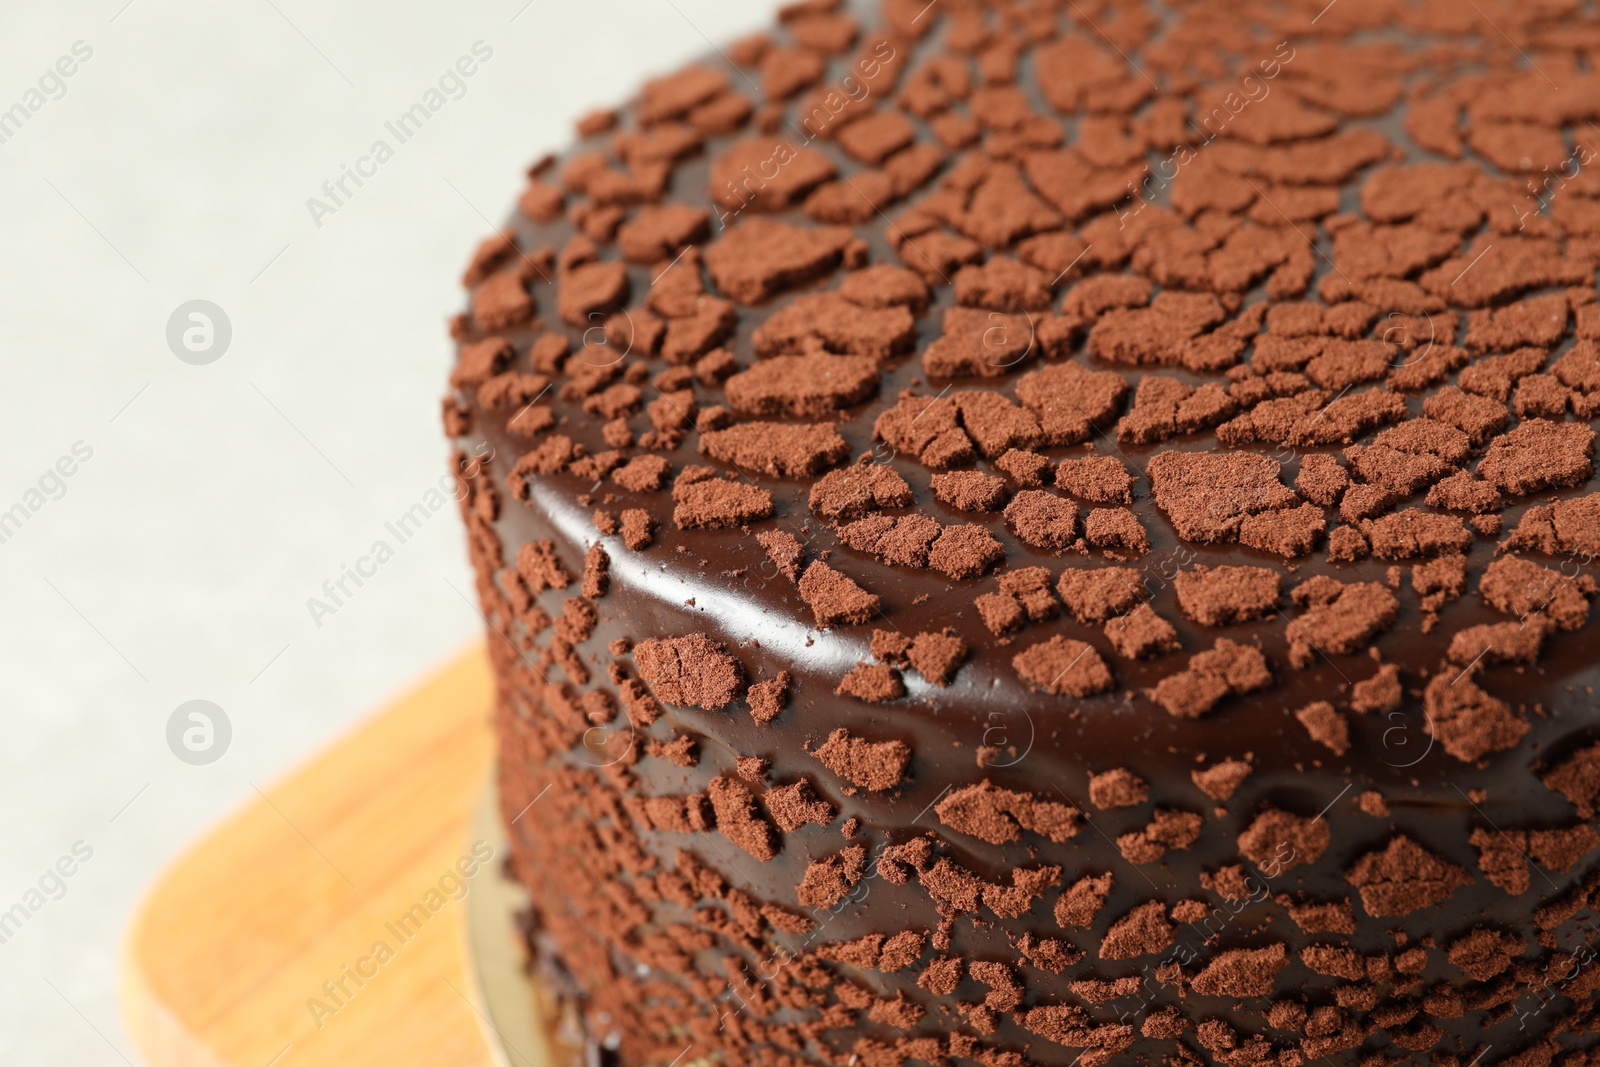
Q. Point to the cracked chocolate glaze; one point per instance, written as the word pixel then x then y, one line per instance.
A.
pixel 722 584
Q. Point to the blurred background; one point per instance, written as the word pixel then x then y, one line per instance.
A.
pixel 223 358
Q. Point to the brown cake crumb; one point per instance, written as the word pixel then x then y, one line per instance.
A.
pixel 872 682
pixel 758 257
pixel 1403 877
pixel 642 473
pixel 638 528
pixel 965 551
pixel 884 285
pixel 782 450
pixel 1321 479
pixel 1221 596
pixel 1520 588
pixel 834 597
pixel 740 820
pixel 1276 840
pixel 784 550
pixel 1097 479
pixel 1219 780
pixel 833 321
pixel 1141 634
pixel 1030 588
pixel 1467 722
pixel 1478 417
pixel 1081 902
pixel 1095 594
pixel 717 503
pixel 970 490
pixel 1463 492
pixel 1115 528
pixel 1117 788
pixel 797 804
pixel 872 765
pixel 1027 469
pixel 689 671
pixel 1485 953
pixel 1167 829
pixel 1501 642
pixel 1568 526
pixel 1381 692
pixel 1372 803
pixel 812 386
pixel 1142 932
pixel 1326 726
pixel 1064 667
pixel 978 344
pixel 942 976
pixel 768 698
pixel 851 492
pixel 1000 815
pixel 1071 401
pixel 936 656
pixel 890 646
pixel 1577 777
pixel 1043 520
pixel 1207 495
pixel 1227 667
pixel 828 881
pixel 681 750
pixel 1241 972
pixel 1338 619
pixel 1539 454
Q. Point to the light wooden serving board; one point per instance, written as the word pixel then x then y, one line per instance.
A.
pixel 225 962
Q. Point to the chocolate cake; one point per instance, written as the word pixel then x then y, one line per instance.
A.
pixel 1051 532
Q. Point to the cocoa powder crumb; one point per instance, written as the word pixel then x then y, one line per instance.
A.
pixel 872 765
pixel 1081 902
pixel 1242 972
pixel 937 656
pixel 874 683
pixel 1094 595
pixel 828 881
pixel 1227 667
pixel 689 671
pixel 1403 877
pixel 1064 667
pixel 1118 788
pixel 717 503
pixel 1326 726
pixel 784 550
pixel 851 492
pixel 638 528
pixel 1043 519
pixel 1219 780
pixel 1222 596
pixel 1141 634
pixel 1097 479
pixel 1027 469
pixel 740 820
pixel 768 698
pixel 797 804
pixel 835 597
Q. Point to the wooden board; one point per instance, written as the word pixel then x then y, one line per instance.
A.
pixel 227 959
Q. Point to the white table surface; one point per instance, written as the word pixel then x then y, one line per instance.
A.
pixel 175 164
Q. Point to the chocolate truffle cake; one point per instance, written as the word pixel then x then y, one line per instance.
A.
pixel 1050 532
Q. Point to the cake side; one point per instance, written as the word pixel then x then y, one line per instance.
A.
pixel 960 591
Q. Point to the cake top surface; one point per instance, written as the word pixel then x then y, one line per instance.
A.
pixel 1237 355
